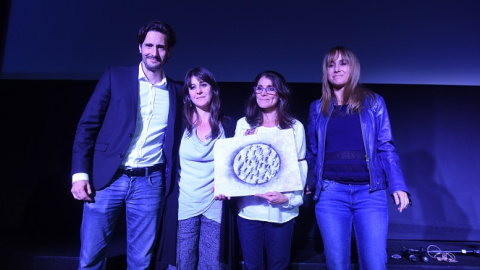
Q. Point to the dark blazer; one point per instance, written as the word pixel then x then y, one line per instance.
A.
pixel 107 125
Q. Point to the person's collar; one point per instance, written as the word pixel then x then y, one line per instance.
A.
pixel 143 77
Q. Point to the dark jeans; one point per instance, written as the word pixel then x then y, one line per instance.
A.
pixel 276 238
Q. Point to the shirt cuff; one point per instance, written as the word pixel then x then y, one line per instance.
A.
pixel 287 203
pixel 79 176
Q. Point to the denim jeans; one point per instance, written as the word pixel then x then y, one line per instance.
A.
pixel 275 237
pixel 142 197
pixel 339 207
pixel 198 244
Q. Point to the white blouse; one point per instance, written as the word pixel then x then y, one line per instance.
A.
pixel 256 208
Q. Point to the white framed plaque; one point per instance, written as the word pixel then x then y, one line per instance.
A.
pixel 255 164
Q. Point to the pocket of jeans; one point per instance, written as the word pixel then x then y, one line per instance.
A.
pixel 156 179
pixel 326 184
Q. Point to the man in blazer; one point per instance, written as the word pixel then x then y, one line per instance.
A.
pixel 124 152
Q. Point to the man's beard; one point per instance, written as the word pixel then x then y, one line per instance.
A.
pixel 156 67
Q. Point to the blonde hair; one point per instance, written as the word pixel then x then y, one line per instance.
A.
pixel 353 94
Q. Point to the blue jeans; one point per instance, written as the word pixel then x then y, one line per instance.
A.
pixel 198 244
pixel 339 207
pixel 275 237
pixel 142 197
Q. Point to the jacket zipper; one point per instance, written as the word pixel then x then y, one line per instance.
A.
pixel 367 159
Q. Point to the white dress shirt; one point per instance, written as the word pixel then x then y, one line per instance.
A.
pixel 146 147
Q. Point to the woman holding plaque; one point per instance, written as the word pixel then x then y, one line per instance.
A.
pixel 267 220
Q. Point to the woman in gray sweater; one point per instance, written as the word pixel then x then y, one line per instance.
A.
pixel 199 214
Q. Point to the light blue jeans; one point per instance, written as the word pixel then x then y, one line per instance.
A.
pixel 142 197
pixel 339 207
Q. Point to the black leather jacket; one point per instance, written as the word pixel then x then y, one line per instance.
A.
pixel 382 158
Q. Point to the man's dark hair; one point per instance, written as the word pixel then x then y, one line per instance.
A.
pixel 158 26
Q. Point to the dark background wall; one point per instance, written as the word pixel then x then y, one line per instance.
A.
pixel 435 127
pixel 397 42
pixel 423 57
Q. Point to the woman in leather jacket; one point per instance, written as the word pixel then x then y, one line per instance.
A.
pixel 351 150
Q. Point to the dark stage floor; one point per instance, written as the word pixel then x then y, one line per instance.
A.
pixel 17 253
pixel 310 255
